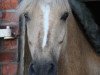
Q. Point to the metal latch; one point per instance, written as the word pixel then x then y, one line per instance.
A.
pixel 6 33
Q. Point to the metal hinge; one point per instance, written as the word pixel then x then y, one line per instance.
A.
pixel 6 33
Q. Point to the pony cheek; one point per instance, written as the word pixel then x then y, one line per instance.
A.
pixel 61 36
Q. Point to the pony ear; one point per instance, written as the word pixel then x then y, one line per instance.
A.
pixel 23 6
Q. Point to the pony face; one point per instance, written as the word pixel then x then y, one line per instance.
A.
pixel 46 31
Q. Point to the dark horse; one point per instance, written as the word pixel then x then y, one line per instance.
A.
pixel 56 43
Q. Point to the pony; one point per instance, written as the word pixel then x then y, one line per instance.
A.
pixel 56 42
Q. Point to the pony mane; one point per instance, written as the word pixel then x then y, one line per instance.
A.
pixel 87 23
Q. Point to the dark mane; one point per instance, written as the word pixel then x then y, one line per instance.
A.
pixel 88 24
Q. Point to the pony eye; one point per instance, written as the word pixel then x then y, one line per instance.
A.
pixel 27 18
pixel 64 16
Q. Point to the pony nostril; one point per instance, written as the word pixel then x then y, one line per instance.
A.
pixel 52 68
pixel 32 70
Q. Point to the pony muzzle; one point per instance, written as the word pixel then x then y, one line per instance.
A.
pixel 43 68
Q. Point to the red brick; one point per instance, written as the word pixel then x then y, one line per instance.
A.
pixel 0 14
pixel 8 4
pixel 8 57
pixel 9 69
pixel 8 45
pixel 10 17
pixel 0 69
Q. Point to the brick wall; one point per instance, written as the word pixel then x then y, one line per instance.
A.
pixel 9 48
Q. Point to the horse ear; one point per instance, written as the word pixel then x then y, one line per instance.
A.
pixel 23 6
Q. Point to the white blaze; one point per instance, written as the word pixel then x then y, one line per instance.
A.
pixel 46 11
